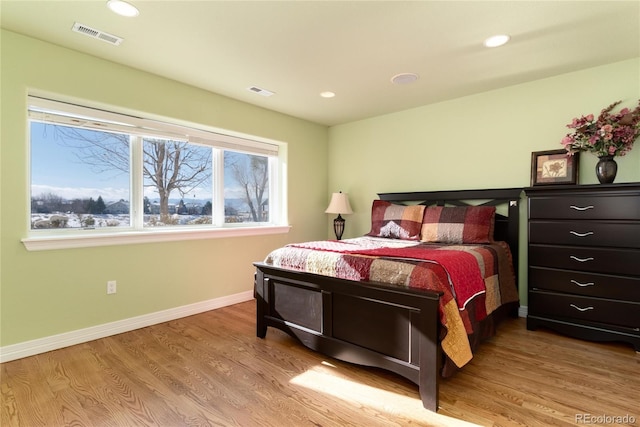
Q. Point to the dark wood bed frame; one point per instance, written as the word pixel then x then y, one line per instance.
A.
pixel 369 323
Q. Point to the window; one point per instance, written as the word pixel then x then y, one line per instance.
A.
pixel 103 172
pixel 176 168
pixel 79 178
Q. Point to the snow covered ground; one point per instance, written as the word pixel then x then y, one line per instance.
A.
pixel 71 220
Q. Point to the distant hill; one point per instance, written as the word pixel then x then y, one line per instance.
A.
pixel 239 204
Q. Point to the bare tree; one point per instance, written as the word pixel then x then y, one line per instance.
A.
pixel 103 151
pixel 167 165
pixel 47 202
pixel 253 177
pixel 174 165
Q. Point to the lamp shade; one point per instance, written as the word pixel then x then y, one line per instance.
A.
pixel 339 204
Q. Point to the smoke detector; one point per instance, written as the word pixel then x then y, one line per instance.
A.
pixel 404 78
pixel 97 34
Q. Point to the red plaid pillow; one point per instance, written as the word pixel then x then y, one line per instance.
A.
pixel 396 221
pixel 459 224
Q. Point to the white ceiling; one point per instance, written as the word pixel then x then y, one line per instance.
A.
pixel 298 49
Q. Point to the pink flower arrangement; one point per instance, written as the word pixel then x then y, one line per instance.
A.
pixel 608 135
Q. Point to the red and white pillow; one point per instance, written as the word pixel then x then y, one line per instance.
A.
pixel 458 224
pixel 396 221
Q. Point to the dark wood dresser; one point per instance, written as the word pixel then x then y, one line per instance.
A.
pixel 584 261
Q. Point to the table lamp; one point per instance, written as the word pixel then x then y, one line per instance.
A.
pixel 339 205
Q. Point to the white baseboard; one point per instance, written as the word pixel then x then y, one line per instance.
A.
pixel 54 342
pixel 522 311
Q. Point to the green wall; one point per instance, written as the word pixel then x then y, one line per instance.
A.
pixel 51 292
pixel 479 141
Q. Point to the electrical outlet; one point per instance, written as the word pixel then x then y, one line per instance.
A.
pixel 111 287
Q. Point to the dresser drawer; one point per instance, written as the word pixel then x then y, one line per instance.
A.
pixel 586 284
pixel 598 260
pixel 585 207
pixel 603 310
pixel 586 233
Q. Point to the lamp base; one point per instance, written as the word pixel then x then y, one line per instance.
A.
pixel 338 227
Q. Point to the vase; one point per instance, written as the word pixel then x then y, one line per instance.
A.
pixel 606 169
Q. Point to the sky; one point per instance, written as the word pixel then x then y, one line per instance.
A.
pixel 56 169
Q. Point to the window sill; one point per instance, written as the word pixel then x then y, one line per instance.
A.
pixel 51 242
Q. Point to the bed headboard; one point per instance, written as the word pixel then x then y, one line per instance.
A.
pixel 506 200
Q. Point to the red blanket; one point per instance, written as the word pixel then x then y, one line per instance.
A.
pixel 461 267
pixel 464 274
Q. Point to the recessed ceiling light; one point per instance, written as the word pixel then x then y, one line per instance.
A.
pixel 404 78
pixel 327 94
pixel 123 8
pixel 498 40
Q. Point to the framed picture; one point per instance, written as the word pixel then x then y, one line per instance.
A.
pixel 554 167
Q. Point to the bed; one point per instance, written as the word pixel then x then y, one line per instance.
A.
pixel 404 298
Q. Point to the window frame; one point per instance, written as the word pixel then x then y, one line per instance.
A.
pixel 47 110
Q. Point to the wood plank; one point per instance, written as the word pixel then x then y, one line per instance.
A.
pixel 211 369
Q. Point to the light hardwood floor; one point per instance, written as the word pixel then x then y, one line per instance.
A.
pixel 211 369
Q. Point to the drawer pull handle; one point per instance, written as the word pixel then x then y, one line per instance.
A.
pixel 580 208
pixel 580 308
pixel 582 285
pixel 575 233
pixel 581 259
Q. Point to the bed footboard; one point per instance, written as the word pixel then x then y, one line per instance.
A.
pixel 395 329
pixel 371 324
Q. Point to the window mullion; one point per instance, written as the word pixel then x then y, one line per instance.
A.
pixel 217 214
pixel 274 195
pixel 137 183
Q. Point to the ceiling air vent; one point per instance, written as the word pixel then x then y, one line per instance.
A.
pixel 97 34
pixel 260 91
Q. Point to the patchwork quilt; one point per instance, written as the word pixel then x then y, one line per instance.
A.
pixel 465 274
